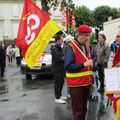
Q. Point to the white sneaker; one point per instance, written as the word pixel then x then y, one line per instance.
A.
pixel 60 101
pixel 63 98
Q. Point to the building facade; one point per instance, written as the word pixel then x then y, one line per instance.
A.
pixel 111 28
pixel 10 14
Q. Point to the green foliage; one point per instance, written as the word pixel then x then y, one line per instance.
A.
pixel 68 3
pixel 44 5
pixel 97 17
pixel 84 16
pixel 115 13
pixel 93 38
pixel 47 4
pixel 102 13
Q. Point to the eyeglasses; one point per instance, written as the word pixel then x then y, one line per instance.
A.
pixel 117 36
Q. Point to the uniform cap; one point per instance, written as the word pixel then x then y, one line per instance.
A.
pixel 84 29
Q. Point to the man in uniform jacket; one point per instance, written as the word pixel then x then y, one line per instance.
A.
pixel 78 66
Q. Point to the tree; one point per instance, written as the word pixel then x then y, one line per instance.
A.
pixel 68 3
pixel 47 4
pixel 115 13
pixel 83 15
pixel 102 13
pixel 44 5
pixel 93 38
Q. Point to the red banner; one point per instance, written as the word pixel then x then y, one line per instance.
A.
pixel 73 20
pixel 68 17
pixel 64 22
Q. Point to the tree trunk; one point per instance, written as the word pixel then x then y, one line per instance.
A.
pixel 44 5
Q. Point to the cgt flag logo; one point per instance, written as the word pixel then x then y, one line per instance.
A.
pixel 35 31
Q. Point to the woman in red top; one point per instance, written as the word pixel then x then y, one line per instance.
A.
pixel 116 60
pixel 116 63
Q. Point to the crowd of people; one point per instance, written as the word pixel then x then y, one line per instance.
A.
pixel 79 63
pixel 8 54
pixel 84 66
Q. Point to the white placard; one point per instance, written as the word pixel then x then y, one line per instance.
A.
pixel 112 80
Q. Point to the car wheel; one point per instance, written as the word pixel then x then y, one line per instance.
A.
pixel 28 77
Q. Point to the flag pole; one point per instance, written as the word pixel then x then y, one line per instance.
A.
pixel 67 10
pixel 75 44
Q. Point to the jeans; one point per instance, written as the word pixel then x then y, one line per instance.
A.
pixel 59 82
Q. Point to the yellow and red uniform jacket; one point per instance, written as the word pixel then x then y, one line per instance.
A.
pixel 81 77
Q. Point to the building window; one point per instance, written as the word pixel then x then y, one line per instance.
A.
pixel 1 32
pixel 15 10
pixel 15 29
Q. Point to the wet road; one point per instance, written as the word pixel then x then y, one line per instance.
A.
pixel 34 100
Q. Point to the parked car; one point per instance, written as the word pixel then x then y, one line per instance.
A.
pixel 42 66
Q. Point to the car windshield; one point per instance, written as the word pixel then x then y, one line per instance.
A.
pixel 47 49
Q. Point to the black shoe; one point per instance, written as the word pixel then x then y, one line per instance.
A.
pixel 95 98
pixel 2 75
pixel 101 90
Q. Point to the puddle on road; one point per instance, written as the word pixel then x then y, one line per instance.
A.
pixel 13 97
pixel 37 83
pixel 3 90
pixel 23 95
pixel 4 100
pixel 11 90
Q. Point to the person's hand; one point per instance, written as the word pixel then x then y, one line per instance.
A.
pixel 92 88
pixel 118 64
pixel 69 38
pixel 88 63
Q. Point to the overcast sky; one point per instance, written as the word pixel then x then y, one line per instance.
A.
pixel 92 4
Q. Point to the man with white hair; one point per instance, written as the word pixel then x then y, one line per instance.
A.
pixel 78 66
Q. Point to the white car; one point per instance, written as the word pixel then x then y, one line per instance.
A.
pixel 42 66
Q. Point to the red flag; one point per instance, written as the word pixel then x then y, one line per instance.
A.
pixel 64 22
pixel 68 17
pixel 73 20
pixel 35 31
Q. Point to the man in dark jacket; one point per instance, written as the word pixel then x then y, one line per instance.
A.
pixel 2 59
pixel 103 53
pixel 58 68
